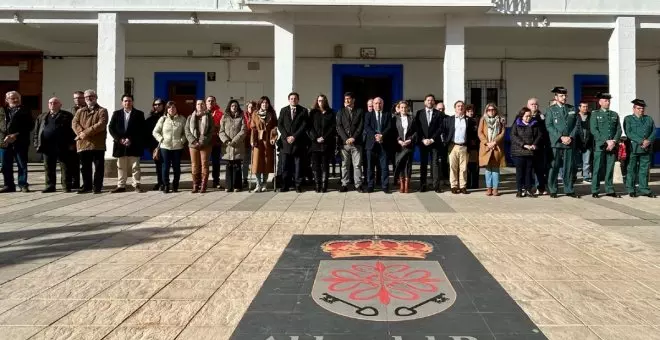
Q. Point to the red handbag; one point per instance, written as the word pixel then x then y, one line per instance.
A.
pixel 622 153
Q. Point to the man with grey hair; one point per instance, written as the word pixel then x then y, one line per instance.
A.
pixel 90 125
pixel 15 142
pixel 55 140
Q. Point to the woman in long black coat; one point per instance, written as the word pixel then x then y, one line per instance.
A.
pixel 406 137
pixel 526 138
pixel 322 132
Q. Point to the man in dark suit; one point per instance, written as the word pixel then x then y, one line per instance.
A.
pixel 459 132
pixel 126 128
pixel 377 126
pixel 429 122
pixel 350 124
pixel 292 124
pixel 55 140
pixel 15 142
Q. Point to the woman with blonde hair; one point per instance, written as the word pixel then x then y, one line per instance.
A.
pixel 263 136
pixel 199 132
pixel 491 147
pixel 406 137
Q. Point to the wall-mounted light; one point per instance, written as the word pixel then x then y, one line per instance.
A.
pixel 17 18
pixel 545 22
pixel 194 18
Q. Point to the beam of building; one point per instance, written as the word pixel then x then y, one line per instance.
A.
pixel 16 37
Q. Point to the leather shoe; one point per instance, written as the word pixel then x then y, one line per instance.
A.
pixel 464 191
pixel 343 189
pixel 553 195
pixel 574 195
pixel 47 190
pixel 613 194
pixel 632 194
pixel 595 196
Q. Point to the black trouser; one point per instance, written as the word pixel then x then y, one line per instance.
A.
pixel 444 163
pixel 377 157
pixel 291 170
pixel 159 168
pixel 404 167
pixel 68 169
pixel 74 170
pixel 87 158
pixel 216 156
pixel 524 167
pixel 171 158
pixel 424 152
pixel 321 167
pixel 540 170
pixel 472 175
pixel 234 175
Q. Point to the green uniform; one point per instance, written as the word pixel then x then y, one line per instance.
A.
pixel 638 129
pixel 605 125
pixel 561 121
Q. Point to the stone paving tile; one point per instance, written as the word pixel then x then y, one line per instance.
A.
pixel 187 266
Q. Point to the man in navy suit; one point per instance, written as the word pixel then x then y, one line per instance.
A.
pixel 377 126
pixel 429 123
pixel 127 129
pixel 292 124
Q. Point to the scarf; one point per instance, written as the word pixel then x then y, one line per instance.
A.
pixel 203 122
pixel 262 114
pixel 493 127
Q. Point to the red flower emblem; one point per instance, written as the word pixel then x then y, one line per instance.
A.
pixel 384 282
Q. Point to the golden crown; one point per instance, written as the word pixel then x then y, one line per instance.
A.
pixel 377 247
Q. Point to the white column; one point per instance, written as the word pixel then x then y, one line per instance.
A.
pixel 623 72
pixel 284 62
pixel 110 63
pixel 454 63
pixel 623 65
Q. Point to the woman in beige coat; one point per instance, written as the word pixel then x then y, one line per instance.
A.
pixel 171 137
pixel 232 136
pixel 491 147
pixel 264 134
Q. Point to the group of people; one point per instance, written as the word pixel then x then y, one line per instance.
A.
pixel 544 147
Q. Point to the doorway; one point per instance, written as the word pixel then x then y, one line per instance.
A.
pixel 365 88
pixel 586 86
pixel 367 81
pixel 183 93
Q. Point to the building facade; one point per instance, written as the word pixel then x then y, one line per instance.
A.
pixel 504 51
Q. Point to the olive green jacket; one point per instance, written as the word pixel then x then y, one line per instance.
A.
pixel 562 121
pixel 638 129
pixel 605 125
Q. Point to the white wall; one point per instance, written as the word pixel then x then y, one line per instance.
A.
pixel 607 7
pixel 122 5
pixel 524 79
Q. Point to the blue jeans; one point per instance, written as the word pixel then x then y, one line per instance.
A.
pixel 492 177
pixel 584 158
pixel 171 158
pixel 261 178
pixel 20 155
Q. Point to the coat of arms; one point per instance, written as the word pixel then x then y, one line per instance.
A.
pixel 404 288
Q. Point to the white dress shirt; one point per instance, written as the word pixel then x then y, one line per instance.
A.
pixel 127 116
pixel 460 129
pixel 404 124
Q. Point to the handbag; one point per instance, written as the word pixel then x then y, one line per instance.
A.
pixel 156 153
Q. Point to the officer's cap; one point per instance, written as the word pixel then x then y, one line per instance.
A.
pixel 639 102
pixel 603 95
pixel 560 89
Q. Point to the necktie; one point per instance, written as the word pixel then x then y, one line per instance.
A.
pixel 293 113
pixel 428 117
pixel 378 120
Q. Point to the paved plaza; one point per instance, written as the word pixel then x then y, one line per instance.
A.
pixel 188 266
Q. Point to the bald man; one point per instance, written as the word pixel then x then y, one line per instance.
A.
pixel 55 140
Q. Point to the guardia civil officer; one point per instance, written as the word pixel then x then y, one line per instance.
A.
pixel 640 129
pixel 606 131
pixel 563 129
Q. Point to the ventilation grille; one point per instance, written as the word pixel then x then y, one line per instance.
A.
pixel 253 66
